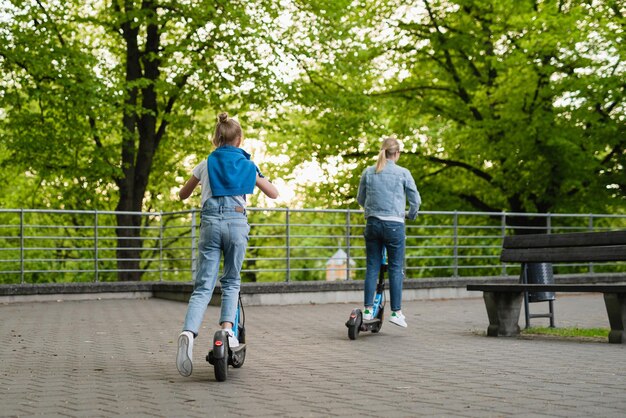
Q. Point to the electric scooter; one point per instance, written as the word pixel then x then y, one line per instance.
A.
pixel 222 355
pixel 356 323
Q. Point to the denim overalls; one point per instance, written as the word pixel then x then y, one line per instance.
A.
pixel 224 229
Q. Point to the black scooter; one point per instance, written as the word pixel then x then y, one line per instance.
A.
pixel 355 322
pixel 222 355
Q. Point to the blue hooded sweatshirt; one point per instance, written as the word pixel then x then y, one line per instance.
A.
pixel 231 172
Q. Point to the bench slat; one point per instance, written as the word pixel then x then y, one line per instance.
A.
pixel 564 287
pixel 569 254
pixel 576 239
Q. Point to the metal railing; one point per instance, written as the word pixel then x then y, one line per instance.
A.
pixel 38 246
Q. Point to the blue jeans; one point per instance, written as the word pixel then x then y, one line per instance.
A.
pixel 222 231
pixel 392 236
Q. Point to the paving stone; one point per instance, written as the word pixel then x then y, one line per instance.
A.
pixel 116 358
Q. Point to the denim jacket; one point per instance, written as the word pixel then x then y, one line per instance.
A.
pixel 386 193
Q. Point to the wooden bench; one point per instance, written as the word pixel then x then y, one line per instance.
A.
pixel 503 301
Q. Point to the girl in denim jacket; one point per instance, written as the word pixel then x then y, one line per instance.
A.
pixel 384 190
pixel 227 175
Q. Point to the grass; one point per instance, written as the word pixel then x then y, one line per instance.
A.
pixel 568 332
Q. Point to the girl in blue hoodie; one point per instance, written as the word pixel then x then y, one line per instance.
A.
pixel 227 176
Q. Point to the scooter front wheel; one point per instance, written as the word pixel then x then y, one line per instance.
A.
pixel 381 317
pixel 238 358
pixel 242 334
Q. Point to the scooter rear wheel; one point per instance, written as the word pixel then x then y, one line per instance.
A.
pixel 355 326
pixel 221 369
pixel 220 365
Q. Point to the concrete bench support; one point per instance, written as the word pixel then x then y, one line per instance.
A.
pixel 503 310
pixel 616 309
pixel 504 301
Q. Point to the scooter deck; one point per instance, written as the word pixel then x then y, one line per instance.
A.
pixel 239 348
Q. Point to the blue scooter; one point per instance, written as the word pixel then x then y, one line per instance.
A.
pixel 222 355
pixel 355 322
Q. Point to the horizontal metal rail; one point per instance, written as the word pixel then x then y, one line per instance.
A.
pixel 38 246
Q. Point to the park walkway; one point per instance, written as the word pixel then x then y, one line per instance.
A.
pixel 116 358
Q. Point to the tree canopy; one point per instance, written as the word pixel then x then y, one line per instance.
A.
pixel 103 100
pixel 501 105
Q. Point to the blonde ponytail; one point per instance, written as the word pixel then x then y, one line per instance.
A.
pixel 389 148
pixel 381 162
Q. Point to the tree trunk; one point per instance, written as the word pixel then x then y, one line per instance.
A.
pixel 525 224
pixel 140 139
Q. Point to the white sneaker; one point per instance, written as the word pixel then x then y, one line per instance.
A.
pixel 232 340
pixel 367 314
pixel 398 319
pixel 184 357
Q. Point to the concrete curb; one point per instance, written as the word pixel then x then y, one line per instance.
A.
pixel 282 293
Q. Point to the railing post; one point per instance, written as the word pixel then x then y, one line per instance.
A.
pixel 193 245
pixel 455 246
pixel 591 230
pixel 503 233
pixel 287 246
pixel 22 246
pixel 95 245
pixel 549 223
pixel 161 246
pixel 348 244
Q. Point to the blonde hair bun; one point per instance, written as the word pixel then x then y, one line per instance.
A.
pixel 227 131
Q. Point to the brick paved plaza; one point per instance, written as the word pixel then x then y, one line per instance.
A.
pixel 116 357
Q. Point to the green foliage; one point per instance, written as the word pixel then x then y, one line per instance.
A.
pixel 80 86
pixel 102 101
pixel 502 105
